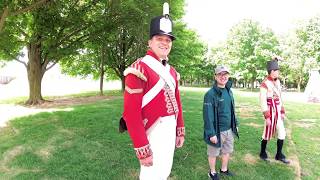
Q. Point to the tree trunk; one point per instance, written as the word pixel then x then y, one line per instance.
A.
pixel 122 68
pixel 101 78
pixel 102 71
pixel 299 84
pixel 252 84
pixel 3 17
pixel 35 74
pixel 122 83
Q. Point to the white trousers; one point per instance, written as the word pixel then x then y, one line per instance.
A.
pixel 162 138
pixel 281 131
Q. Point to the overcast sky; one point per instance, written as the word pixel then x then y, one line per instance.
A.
pixel 212 19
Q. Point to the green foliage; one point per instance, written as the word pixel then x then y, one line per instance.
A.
pixel 92 38
pixel 50 33
pixel 11 40
pixel 57 27
pixel 249 46
pixel 295 59
pixel 301 50
pixel 312 35
pixel 123 39
pixel 187 54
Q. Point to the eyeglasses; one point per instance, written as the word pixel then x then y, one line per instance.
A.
pixel 223 74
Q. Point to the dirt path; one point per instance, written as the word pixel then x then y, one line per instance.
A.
pixel 10 111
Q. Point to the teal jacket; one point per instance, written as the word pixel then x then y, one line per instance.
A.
pixel 211 105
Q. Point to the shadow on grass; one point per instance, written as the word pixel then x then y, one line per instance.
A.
pixel 78 144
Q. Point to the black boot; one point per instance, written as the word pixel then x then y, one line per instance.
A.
pixel 279 156
pixel 263 153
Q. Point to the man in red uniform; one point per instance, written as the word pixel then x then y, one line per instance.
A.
pixel 152 107
pixel 273 111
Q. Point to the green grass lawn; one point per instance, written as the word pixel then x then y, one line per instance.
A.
pixel 83 143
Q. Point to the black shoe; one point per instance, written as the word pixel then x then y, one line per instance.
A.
pixel 226 173
pixel 282 158
pixel 213 176
pixel 264 156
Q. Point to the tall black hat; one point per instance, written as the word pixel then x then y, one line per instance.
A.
pixel 162 24
pixel 273 64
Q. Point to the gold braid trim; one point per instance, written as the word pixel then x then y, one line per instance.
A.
pixel 143 152
pixel 133 91
pixel 136 72
pixel 181 131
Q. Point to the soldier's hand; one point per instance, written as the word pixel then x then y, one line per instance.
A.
pixel 283 116
pixel 214 139
pixel 148 161
pixel 268 121
pixel 179 141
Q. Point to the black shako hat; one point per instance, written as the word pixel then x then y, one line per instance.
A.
pixel 272 65
pixel 162 25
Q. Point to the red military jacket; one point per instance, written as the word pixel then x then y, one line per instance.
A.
pixel 270 89
pixel 147 97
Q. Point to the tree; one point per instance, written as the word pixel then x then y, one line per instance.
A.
pixel 129 41
pixel 187 54
pixel 301 51
pixel 123 41
pixel 91 61
pixel 7 9
pixel 249 46
pixel 50 33
pixel 312 35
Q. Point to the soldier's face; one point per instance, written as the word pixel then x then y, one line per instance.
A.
pixel 274 74
pixel 160 45
pixel 222 79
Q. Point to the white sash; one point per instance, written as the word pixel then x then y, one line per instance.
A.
pixel 273 87
pixel 152 92
pixel 165 77
pixel 162 71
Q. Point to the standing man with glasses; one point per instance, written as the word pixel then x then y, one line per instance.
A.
pixel 220 123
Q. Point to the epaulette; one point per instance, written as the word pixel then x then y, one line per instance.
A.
pixel 136 70
pixel 263 84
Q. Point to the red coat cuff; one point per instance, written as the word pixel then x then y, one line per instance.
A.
pixel 266 114
pixel 143 152
pixel 282 110
pixel 181 131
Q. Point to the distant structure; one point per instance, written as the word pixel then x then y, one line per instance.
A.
pixel 312 91
pixel 6 79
